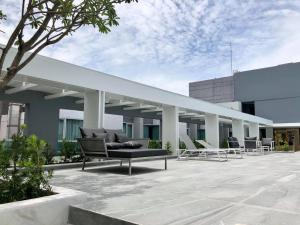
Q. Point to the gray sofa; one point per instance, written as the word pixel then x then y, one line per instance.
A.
pixel 114 144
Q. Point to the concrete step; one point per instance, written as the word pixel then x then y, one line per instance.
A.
pixel 80 216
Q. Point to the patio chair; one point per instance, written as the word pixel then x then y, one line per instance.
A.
pixel 192 152
pixel 235 145
pixel 269 143
pixel 253 145
pixel 236 151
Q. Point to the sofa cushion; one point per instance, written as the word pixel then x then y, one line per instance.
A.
pixel 117 131
pixel 88 132
pixel 100 135
pixel 132 144
pixel 136 153
pixel 233 142
pixel 113 145
pixel 110 137
pixel 121 137
pixel 267 141
pixel 250 138
pixel 250 142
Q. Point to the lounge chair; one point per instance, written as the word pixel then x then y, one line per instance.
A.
pixel 203 153
pixel 254 146
pixel 236 151
pixel 119 148
pixel 269 143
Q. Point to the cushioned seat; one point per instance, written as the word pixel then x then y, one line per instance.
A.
pixel 267 142
pixel 97 154
pixel 233 142
pixel 250 142
pixel 136 153
pixel 114 145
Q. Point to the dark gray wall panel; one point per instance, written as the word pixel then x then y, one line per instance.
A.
pixel 42 115
pixel 279 110
pixel 269 83
pixel 274 90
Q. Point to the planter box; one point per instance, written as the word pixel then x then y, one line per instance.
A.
pixel 49 210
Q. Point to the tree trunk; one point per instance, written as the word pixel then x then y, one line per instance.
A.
pixel 12 70
pixel 6 79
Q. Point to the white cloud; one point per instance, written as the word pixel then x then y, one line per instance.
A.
pixel 168 43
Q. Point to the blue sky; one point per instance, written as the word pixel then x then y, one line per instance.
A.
pixel 168 43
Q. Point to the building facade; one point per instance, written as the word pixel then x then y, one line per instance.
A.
pixel 47 86
pixel 272 93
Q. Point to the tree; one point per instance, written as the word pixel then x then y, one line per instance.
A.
pixel 48 22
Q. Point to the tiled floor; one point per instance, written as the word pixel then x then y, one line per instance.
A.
pixel 256 190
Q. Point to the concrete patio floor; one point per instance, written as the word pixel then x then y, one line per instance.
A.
pixel 256 190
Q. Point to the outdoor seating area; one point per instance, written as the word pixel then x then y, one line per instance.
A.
pixel 252 145
pixel 209 152
pixel 113 144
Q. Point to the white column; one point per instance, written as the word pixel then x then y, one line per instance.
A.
pixel 212 130
pixel 94 108
pixel 238 130
pixel 170 127
pixel 193 131
pixel 254 130
pixel 138 127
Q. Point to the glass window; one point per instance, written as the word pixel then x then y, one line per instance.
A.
pixel 151 132
pixel 124 128
pixel 201 134
pixel 146 131
pixel 155 133
pixel 72 130
pixel 129 130
pixel 60 129
pixel 248 107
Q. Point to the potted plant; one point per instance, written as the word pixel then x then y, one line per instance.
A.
pixel 25 188
pixel 26 178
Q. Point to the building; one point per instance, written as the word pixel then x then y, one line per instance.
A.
pixel 272 93
pixel 46 88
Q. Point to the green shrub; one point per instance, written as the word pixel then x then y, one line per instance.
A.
pixel 182 145
pixel 283 145
pixel 48 154
pixel 27 179
pixel 69 150
pixel 154 144
pixel 224 144
pixel 197 144
pixel 168 147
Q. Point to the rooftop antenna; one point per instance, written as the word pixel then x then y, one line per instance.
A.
pixel 230 45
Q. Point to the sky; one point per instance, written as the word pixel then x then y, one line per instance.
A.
pixel 169 43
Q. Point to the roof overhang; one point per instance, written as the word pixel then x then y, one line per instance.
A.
pixel 49 72
pixel 286 125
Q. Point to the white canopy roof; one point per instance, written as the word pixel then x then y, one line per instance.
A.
pixel 52 76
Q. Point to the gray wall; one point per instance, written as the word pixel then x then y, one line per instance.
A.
pixel 275 91
pixel 42 116
pixel 215 90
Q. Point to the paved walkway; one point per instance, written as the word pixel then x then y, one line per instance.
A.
pixel 257 190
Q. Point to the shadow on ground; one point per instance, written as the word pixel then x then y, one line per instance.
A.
pixel 123 170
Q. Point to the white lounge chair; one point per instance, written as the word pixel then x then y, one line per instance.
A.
pixel 236 151
pixel 192 152
pixel 268 143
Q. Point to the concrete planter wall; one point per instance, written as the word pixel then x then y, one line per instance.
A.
pixel 49 210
